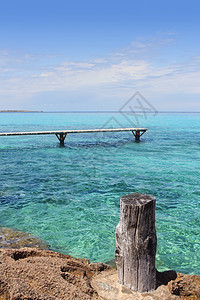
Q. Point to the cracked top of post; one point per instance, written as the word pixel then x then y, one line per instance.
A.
pixel 137 199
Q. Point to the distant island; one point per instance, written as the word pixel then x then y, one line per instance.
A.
pixel 12 110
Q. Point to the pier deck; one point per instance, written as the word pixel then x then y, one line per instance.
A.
pixel 61 134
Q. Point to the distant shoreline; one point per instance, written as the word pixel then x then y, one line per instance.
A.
pixel 16 111
pixel 99 111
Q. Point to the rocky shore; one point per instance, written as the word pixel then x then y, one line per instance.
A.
pixel 32 273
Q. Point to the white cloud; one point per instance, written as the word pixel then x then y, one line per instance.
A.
pixel 23 76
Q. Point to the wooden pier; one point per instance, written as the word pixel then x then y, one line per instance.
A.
pixel 61 134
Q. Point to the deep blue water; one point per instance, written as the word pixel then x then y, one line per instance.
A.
pixel 70 196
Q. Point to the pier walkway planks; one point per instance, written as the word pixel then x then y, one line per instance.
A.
pixel 61 134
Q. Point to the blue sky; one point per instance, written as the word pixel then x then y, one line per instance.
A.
pixel 94 55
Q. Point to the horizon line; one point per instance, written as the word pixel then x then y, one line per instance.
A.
pixel 95 111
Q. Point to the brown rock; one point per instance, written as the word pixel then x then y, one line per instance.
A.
pixel 108 288
pixel 186 286
pixel 32 274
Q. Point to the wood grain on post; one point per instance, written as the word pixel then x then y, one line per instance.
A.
pixel 136 242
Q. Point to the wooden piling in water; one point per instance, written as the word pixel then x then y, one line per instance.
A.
pixel 138 134
pixel 61 138
pixel 136 243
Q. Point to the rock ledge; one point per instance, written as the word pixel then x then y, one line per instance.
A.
pixel 30 273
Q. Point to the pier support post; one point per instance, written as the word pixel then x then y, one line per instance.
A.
pixel 136 135
pixel 61 138
pixel 136 242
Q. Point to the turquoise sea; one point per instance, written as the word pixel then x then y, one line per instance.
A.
pixel 70 196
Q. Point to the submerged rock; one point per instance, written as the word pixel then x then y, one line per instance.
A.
pixel 11 238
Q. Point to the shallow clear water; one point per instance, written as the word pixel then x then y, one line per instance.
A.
pixel 69 196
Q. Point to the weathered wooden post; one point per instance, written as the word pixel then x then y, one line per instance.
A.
pixel 136 242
